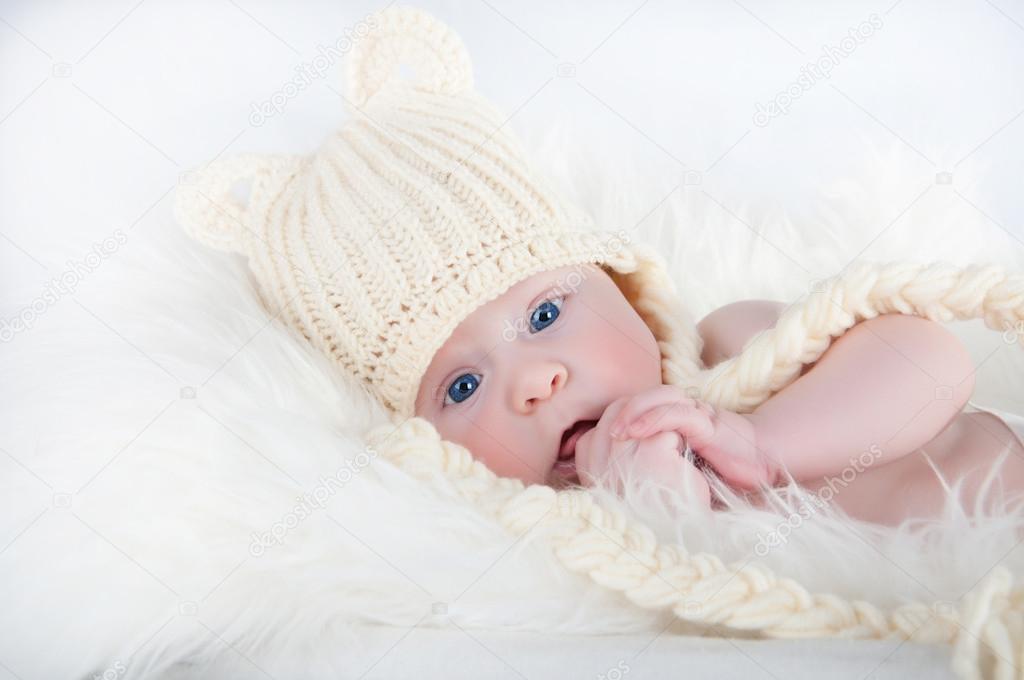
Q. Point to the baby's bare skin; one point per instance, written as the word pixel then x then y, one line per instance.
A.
pixel 880 401
pixel 909 487
pixel 565 346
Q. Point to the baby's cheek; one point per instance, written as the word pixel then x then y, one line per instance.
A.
pixel 507 455
pixel 624 367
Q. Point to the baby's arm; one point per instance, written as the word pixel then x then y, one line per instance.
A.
pixel 886 386
pixel 894 382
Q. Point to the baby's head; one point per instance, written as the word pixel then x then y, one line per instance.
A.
pixel 407 249
pixel 555 348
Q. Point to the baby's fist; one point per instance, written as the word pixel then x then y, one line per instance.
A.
pixel 657 457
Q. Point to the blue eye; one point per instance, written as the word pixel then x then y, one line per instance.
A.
pixel 544 315
pixel 463 388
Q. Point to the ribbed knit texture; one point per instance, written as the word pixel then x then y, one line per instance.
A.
pixel 417 211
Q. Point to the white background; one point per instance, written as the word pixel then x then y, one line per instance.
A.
pixel 156 87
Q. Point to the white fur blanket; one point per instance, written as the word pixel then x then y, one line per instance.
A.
pixel 192 484
pixel 185 483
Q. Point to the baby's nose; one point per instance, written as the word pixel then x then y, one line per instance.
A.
pixel 538 383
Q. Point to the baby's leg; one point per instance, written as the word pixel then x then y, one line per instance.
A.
pixel 985 437
pixel 907 487
pixel 968 450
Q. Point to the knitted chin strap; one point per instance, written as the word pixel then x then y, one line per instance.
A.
pixel 986 629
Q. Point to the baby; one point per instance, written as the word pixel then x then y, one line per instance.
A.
pixel 421 252
pixel 552 383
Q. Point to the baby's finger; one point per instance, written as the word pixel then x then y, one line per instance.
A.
pixel 691 422
pixel 645 401
pixel 595 447
pixel 659 458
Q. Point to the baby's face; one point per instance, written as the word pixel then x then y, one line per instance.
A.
pixel 555 348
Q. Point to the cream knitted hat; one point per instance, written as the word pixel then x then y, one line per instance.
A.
pixel 415 212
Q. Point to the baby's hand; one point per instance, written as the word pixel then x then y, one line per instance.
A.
pixel 724 439
pixel 657 457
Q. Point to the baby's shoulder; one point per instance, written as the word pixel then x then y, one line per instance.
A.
pixel 727 329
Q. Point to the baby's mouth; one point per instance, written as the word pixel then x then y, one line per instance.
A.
pixel 565 465
pixel 567 449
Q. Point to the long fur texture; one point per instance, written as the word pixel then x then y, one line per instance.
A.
pixel 150 562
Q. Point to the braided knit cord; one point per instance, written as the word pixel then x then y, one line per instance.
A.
pixel 986 630
pixel 939 291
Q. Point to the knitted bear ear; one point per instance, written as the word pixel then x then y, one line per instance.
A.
pixel 409 36
pixel 214 202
